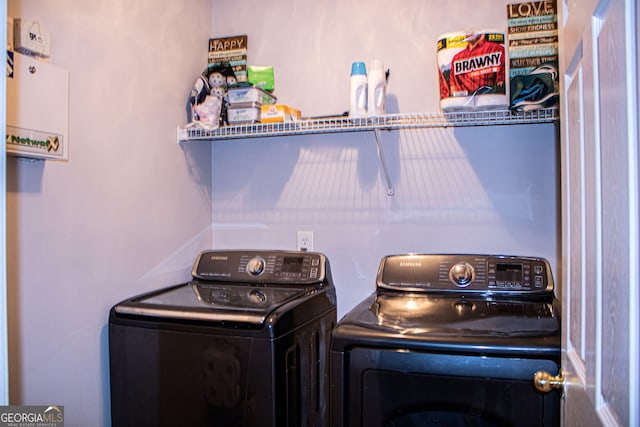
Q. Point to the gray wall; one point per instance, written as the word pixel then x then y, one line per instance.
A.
pixel 483 189
pixel 126 213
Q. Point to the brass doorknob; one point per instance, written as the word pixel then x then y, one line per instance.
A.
pixel 545 382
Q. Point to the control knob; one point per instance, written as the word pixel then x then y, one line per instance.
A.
pixel 256 266
pixel 257 297
pixel 462 274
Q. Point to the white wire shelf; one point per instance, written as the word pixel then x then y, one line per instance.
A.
pixel 387 122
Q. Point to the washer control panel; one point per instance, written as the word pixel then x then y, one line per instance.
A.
pixel 290 267
pixel 501 274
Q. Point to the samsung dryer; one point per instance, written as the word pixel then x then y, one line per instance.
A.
pixel 450 340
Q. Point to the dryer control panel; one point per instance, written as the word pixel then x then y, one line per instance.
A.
pixel 495 274
pixel 284 267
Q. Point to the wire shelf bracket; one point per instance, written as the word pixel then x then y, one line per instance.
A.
pixel 341 124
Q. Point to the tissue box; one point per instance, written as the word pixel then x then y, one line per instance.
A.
pixel 278 113
pixel 249 95
pixel 243 113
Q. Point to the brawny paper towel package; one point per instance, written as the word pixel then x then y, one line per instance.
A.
pixel 472 69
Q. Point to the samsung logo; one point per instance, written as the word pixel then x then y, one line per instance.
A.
pixel 410 264
pixel 219 258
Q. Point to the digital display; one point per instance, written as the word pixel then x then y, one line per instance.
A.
pixel 292 264
pixel 509 273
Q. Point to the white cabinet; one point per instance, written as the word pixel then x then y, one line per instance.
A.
pixel 37 108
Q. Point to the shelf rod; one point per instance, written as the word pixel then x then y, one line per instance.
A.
pixel 390 191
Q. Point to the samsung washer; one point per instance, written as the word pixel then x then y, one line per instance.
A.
pixel 245 343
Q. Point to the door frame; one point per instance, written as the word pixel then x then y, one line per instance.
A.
pixel 4 349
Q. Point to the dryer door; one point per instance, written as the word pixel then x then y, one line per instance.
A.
pixel 395 388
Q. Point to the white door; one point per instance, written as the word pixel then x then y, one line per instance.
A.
pixel 600 224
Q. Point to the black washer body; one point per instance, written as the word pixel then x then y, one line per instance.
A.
pixel 432 348
pixel 245 343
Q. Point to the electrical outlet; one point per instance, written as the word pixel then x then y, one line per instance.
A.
pixel 305 241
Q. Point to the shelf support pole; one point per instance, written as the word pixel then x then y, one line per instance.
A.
pixel 390 191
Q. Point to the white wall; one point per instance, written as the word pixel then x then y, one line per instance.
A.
pixel 131 208
pixel 485 190
pixel 127 213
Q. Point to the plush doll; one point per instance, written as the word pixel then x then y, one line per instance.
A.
pixel 217 80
